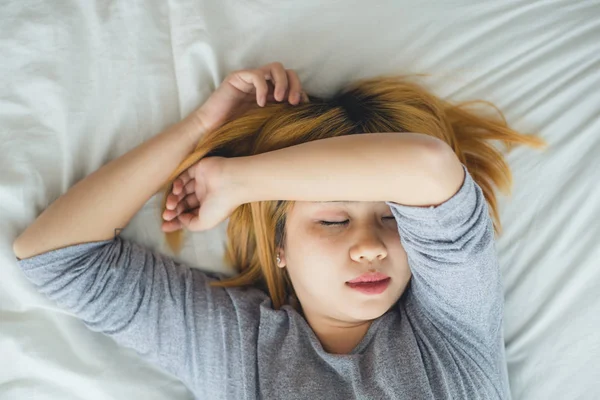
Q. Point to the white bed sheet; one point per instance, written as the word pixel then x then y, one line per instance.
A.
pixel 82 82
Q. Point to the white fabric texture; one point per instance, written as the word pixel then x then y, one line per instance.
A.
pixel 84 82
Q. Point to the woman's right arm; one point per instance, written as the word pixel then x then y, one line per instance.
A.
pixel 146 301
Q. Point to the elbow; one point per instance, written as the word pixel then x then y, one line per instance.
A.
pixel 18 256
pixel 17 249
pixel 443 156
pixel 22 249
pixel 447 171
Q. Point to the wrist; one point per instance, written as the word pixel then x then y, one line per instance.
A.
pixel 197 122
pixel 230 172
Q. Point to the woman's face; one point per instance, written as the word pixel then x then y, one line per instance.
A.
pixel 320 259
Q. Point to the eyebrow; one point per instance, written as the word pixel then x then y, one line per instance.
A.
pixel 336 201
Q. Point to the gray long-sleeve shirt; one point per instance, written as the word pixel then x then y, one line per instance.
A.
pixel 443 340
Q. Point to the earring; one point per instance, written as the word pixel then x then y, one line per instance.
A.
pixel 278 259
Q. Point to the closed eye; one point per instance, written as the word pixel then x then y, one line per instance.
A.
pixel 329 223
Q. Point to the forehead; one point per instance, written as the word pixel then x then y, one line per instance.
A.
pixel 310 205
pixel 340 202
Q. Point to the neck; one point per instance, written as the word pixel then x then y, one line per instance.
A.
pixel 337 337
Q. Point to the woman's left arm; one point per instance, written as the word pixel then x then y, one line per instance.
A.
pixel 455 299
pixel 108 198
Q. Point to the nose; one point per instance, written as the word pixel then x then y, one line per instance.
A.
pixel 368 248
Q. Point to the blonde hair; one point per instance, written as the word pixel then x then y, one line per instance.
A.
pixel 383 104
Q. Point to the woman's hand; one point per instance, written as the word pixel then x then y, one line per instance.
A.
pixel 201 198
pixel 241 89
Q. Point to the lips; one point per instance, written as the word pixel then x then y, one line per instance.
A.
pixel 369 277
pixel 370 283
pixel 375 287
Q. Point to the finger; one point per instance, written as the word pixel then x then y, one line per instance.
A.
pixel 179 185
pixel 171 226
pixel 187 200
pixel 257 79
pixel 190 219
pixel 190 187
pixel 271 93
pixel 187 175
pixel 170 215
pixel 174 199
pixel 295 95
pixel 281 79
pixel 305 98
pixel 189 203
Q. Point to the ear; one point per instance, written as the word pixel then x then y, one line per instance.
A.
pixel 281 254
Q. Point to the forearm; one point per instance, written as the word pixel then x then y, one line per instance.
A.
pixel 108 198
pixel 399 167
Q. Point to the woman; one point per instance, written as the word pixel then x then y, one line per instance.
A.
pixel 366 249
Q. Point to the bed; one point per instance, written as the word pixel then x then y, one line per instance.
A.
pixel 83 82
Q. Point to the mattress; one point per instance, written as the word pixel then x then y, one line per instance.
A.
pixel 83 82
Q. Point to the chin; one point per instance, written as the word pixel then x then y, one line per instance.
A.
pixel 371 312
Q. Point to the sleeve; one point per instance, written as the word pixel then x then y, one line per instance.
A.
pixel 456 286
pixel 146 301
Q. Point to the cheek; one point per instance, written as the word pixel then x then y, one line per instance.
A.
pixel 313 262
pixel 396 246
pixel 393 240
pixel 322 240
